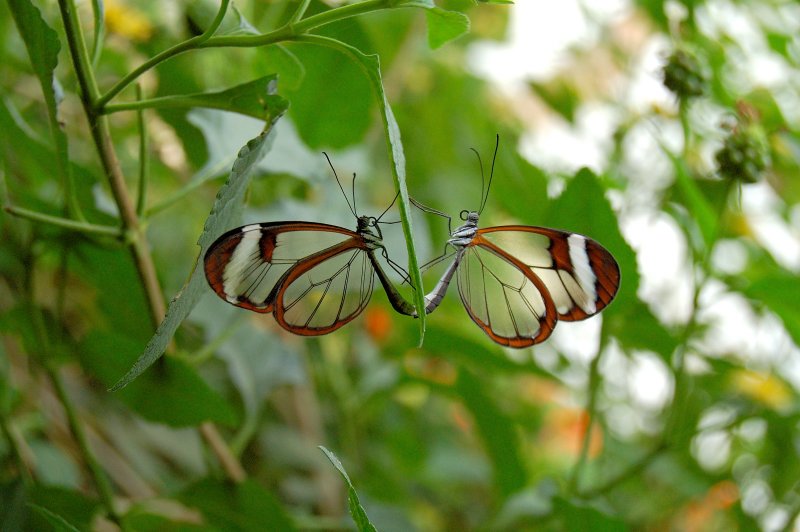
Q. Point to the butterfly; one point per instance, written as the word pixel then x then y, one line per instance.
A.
pixel 313 277
pixel 517 281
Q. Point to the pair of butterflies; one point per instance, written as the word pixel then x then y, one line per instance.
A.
pixel 515 281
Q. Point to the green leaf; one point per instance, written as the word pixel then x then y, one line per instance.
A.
pixel 579 516
pixel 444 26
pixel 43 47
pixel 246 506
pixel 637 328
pixel 478 354
pixel 58 523
pixel 583 208
pixel 780 292
pixel 172 393
pixel 699 207
pixel 360 517
pixel 255 98
pixel 70 505
pixel 223 214
pixel 324 125
pixel 371 66
pixel 498 433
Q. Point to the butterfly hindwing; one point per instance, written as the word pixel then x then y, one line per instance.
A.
pixel 579 274
pixel 326 290
pixel 503 297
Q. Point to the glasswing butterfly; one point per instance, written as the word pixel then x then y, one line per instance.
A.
pixel 313 277
pixel 517 281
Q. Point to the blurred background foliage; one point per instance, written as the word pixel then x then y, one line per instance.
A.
pixel 675 409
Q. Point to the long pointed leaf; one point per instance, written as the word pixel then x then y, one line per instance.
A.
pixel 43 47
pixel 226 207
pixel 371 66
pixel 251 99
pixel 357 511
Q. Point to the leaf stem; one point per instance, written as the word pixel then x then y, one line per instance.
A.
pixel 98 11
pixel 72 225
pixel 144 158
pixel 301 10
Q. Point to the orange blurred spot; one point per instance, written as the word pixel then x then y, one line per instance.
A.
pixel 538 390
pixel 434 369
pixel 378 323
pixel 704 514
pixel 565 429
pixel 127 21
pixel 461 418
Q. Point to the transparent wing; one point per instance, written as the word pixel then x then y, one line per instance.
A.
pixel 580 275
pixel 503 297
pixel 325 291
pixel 245 265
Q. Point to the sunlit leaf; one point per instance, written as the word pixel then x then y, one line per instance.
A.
pixel 583 208
pixel 444 26
pixel 780 292
pixel 701 210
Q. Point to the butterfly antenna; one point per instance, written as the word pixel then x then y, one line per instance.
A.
pixel 378 219
pixel 480 164
pixel 491 172
pixel 353 193
pixel 352 208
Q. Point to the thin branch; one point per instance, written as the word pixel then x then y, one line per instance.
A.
pixel 233 469
pixel 288 32
pixel 72 225
pixel 190 44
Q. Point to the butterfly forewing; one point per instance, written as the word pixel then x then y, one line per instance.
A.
pixel 325 291
pixel 245 265
pixel 580 275
pixel 506 301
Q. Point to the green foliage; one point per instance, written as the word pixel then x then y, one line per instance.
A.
pixel 676 408
pixel 356 510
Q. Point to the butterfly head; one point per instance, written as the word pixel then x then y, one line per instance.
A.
pixel 471 217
